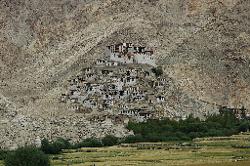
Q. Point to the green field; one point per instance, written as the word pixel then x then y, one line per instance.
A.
pixel 219 151
pixel 160 157
pixel 216 151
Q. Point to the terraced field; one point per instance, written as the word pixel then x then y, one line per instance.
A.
pixel 219 151
pixel 216 151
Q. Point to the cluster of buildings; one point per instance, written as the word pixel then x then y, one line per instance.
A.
pixel 123 84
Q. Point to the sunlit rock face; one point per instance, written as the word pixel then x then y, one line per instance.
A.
pixel 203 46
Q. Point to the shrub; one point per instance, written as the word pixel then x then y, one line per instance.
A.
pixel 109 140
pixel 56 146
pixel 3 154
pixel 27 156
pixel 158 71
pixel 133 139
pixel 64 144
pixel 45 146
pixel 244 126
pixel 89 142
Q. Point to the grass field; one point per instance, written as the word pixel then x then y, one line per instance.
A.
pixel 217 151
pixel 160 157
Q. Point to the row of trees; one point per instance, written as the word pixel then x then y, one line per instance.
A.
pixel 223 124
pixel 60 144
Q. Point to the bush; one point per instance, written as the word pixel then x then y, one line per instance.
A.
pixel 64 144
pixel 27 156
pixel 109 140
pixel 158 71
pixel 45 146
pixel 55 147
pixel 244 126
pixel 133 139
pixel 3 154
pixel 89 142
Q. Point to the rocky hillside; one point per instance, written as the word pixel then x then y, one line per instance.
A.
pixel 203 45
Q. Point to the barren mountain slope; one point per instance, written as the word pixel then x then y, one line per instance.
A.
pixel 202 45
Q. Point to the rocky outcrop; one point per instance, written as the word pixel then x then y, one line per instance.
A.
pixel 23 130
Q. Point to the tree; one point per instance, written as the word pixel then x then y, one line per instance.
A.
pixel 158 71
pixel 89 142
pixel 109 140
pixel 55 147
pixel 244 126
pixel 243 113
pixel 3 154
pixel 27 156
pixel 45 147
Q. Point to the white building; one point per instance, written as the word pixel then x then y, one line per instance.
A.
pixel 127 53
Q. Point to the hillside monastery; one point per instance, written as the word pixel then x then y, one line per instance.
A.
pixel 123 84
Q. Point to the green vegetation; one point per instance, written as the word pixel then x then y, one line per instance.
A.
pixel 26 156
pixel 3 154
pixel 109 140
pixel 89 142
pixel 57 146
pixel 216 151
pixel 223 124
pixel 157 71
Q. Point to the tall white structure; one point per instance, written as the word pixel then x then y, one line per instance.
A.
pixel 127 53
